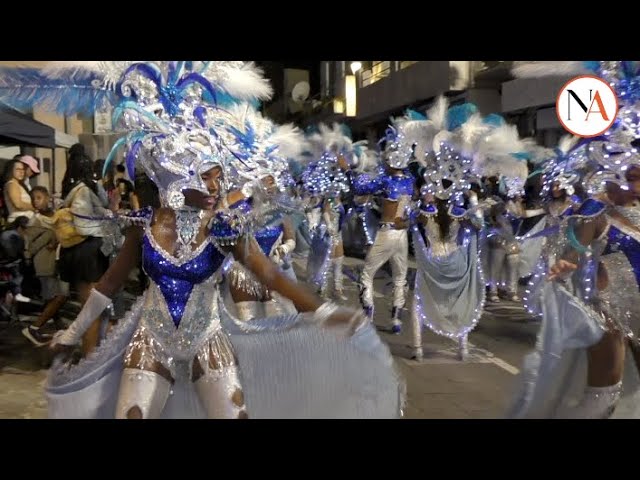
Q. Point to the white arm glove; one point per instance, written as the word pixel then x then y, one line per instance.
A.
pixel 247 189
pixel 533 213
pixel 287 247
pixel 352 319
pixel 93 307
pixel 473 199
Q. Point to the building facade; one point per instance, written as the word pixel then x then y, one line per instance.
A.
pixel 387 88
pixel 68 130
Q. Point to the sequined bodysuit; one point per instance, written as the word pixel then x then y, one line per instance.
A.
pixel 268 238
pixel 180 313
pixel 621 257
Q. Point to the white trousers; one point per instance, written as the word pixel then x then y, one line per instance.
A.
pixel 390 246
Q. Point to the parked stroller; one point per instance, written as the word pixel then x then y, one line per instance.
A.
pixel 9 285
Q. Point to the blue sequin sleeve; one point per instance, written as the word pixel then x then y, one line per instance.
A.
pixel 140 217
pixel 591 208
pixel 226 227
pixel 365 184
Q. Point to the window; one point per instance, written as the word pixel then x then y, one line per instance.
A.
pixel 377 71
pixel 405 64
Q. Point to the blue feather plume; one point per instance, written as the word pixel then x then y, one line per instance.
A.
pixel 459 114
pixel 413 115
pixel 130 160
pixel 112 154
pixel 593 66
pixel 494 119
pixel 628 69
pixel 521 155
pixel 25 88
pixel 346 131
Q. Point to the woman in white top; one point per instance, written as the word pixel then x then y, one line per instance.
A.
pixel 16 195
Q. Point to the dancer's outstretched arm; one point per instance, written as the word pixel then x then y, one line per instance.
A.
pixel 251 256
pixel 101 294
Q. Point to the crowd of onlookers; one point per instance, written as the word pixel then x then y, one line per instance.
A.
pixel 56 246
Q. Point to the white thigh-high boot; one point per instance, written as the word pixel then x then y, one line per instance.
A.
pixel 596 403
pixel 416 333
pixel 142 389
pixel 338 279
pixel 463 347
pixel 512 262
pixel 399 265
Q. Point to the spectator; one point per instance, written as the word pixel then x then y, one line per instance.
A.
pixel 121 173
pixel 146 191
pixel 82 264
pixel 31 168
pixel 128 198
pixel 42 246
pixel 16 195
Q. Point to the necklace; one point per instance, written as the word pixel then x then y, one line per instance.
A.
pixel 188 223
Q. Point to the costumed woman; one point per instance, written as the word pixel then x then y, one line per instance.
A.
pixel 325 179
pixel 260 167
pixel 361 224
pixel 449 284
pixel 502 149
pixel 559 203
pixel 581 367
pixel 178 352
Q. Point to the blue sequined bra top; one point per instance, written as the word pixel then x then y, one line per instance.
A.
pixel 176 278
pixel 268 238
pixel 390 187
pixel 625 238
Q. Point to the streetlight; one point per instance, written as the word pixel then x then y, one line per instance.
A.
pixel 355 66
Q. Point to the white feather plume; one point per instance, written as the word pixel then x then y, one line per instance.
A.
pixel 538 154
pixel 567 142
pixel 437 114
pixel 547 69
pixel 443 136
pixel 501 140
pixel 241 114
pixel 315 145
pixel 332 137
pixel 367 160
pixel 471 132
pixel 290 140
pixel 501 166
pixel 246 82
pixel 419 133
pixel 493 157
pixel 60 69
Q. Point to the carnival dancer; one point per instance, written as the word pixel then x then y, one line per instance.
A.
pixel 590 303
pixel 178 352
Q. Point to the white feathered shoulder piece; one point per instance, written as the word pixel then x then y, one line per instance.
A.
pixel 495 154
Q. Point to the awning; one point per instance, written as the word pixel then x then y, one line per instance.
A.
pixel 19 129
pixel 65 140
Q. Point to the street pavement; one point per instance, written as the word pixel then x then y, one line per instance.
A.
pixel 440 386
